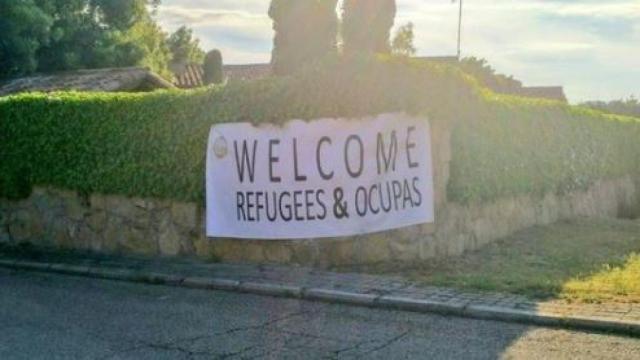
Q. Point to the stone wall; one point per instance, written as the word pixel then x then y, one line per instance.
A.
pixel 115 224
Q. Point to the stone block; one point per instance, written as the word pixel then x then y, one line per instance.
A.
pixel 184 214
pixel 202 247
pixel 127 209
pixel 119 236
pixel 169 238
pixel 137 241
pixel 304 252
pixel 278 252
pixel 375 248
pixel 405 249
pixel 410 232
pixel 59 233
pixel 97 220
pixel 95 242
pixel 98 201
pixel 232 250
pixel 336 252
pixel 74 210
pixel 427 229
pixel 46 202
pixel 427 247
pixel 87 239
pixel 143 204
pixel 66 196
pixel 27 225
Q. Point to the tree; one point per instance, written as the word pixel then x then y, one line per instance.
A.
pixel 402 43
pixel 366 25
pixel 304 32
pixel 144 44
pixel 628 107
pixel 24 28
pixel 184 47
pixel 213 73
pixel 486 75
pixel 54 35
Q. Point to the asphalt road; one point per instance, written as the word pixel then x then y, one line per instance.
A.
pixel 58 317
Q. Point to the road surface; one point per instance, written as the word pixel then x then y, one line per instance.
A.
pixel 46 316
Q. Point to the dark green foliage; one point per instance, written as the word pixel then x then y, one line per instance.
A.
pixel 153 145
pixel 511 146
pixel 213 72
pixel 402 43
pixel 185 49
pixel 487 76
pixel 305 31
pixel 24 28
pixel 55 35
pixel 366 25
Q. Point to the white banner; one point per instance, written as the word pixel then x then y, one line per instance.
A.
pixel 324 178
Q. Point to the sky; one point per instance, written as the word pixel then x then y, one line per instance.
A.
pixel 591 47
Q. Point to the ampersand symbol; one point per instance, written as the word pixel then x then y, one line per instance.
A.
pixel 339 206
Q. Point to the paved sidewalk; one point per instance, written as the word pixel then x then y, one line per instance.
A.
pixel 357 289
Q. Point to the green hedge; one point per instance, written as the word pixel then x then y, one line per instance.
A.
pixel 511 146
pixel 153 144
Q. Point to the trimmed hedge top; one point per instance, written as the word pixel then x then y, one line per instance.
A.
pixel 153 144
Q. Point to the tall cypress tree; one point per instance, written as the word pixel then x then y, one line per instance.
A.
pixel 304 31
pixel 366 25
pixel 213 71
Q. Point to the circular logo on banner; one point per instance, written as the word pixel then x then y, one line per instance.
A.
pixel 220 147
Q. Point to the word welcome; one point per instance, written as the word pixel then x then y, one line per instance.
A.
pixel 319 179
pixel 386 156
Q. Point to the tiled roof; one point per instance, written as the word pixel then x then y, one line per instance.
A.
pixel 544 92
pixel 447 59
pixel 192 75
pixel 113 79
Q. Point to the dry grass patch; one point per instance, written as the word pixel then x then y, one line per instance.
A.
pixel 619 284
pixel 586 260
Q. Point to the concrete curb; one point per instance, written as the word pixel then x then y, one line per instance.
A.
pixel 454 308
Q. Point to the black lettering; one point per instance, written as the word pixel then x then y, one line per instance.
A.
pixel 259 204
pixel 295 162
pixel 240 205
pixel 325 176
pixel 250 205
pixel 309 204
pixel 362 211
pixel 388 159
pixel 386 208
pixel 406 197
pixel 354 174
pixel 397 193
pixel 417 191
pixel 247 163
pixel 289 214
pixel 272 160
pixel 372 190
pixel 410 145
pixel 319 195
pixel 272 216
pixel 297 205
